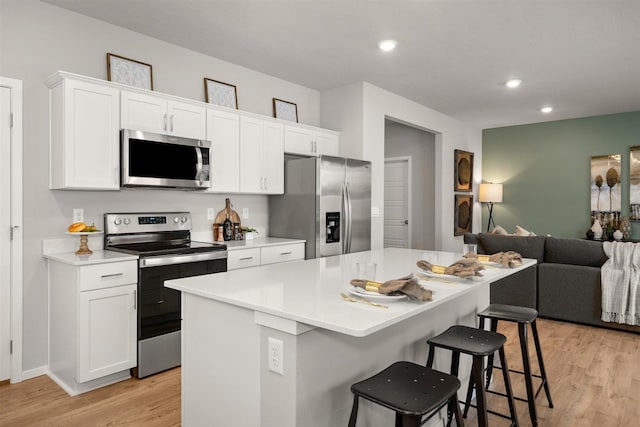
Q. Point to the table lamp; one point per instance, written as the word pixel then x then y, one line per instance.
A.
pixel 490 193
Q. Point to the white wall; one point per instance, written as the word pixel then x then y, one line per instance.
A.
pixel 36 39
pixel 376 106
pixel 406 141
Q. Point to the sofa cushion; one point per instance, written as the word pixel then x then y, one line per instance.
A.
pixel 574 251
pixel 527 246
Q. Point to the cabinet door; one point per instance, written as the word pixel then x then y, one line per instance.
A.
pixel 106 332
pixel 298 140
pixel 90 138
pixel 273 158
pixel 186 120
pixel 143 112
pixel 326 143
pixel 223 130
pixel 251 135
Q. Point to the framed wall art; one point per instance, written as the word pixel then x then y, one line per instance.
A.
pixel 463 171
pixel 463 214
pixel 129 72
pixel 634 183
pixel 285 110
pixel 220 93
pixel 605 184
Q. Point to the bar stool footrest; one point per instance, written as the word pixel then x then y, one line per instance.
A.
pixel 489 411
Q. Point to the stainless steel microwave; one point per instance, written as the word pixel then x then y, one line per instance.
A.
pixel 154 160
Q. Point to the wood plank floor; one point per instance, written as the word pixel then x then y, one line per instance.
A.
pixel 593 374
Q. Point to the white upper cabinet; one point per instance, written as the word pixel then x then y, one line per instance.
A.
pixel 223 130
pixel 310 142
pixel 156 114
pixel 84 148
pixel 262 156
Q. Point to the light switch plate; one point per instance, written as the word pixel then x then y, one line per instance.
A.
pixel 78 215
pixel 211 215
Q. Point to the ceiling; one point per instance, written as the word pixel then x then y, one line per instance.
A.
pixel 580 56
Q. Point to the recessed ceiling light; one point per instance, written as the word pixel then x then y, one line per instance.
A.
pixel 512 84
pixel 387 45
pixel 546 110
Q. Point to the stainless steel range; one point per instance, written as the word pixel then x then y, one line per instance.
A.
pixel 163 243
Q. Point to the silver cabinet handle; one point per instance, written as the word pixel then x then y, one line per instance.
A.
pixel 165 122
pixel 311 146
pixel 105 276
pixel 135 299
pixel 171 121
pixel 266 186
pixel 285 253
pixel 246 258
pixel 115 176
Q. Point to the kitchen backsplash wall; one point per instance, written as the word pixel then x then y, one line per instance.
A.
pixel 71 42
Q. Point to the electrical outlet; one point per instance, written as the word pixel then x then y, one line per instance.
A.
pixel 78 215
pixel 275 355
pixel 245 213
pixel 211 214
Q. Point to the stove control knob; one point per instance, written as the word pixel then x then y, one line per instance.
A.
pixel 176 219
pixel 117 221
pixel 183 219
pixel 127 221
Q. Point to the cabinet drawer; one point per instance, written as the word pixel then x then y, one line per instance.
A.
pixel 243 258
pixel 107 275
pixel 282 253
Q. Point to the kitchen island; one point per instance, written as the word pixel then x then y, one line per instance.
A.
pixel 327 342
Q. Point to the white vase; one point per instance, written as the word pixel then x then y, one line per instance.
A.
pixel 617 235
pixel 597 229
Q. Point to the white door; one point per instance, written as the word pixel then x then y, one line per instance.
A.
pixel 273 158
pixel 223 130
pixel 251 135
pixel 326 143
pixel 107 331
pixel 298 140
pixel 143 112
pixel 397 221
pixel 187 120
pixel 5 224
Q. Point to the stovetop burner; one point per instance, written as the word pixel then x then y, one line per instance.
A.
pixel 159 248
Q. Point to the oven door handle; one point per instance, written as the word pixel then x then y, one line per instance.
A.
pixel 181 259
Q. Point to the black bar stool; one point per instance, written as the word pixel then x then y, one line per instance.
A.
pixel 523 316
pixel 411 390
pixel 477 343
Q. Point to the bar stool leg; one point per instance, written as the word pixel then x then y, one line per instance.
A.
pixel 493 324
pixel 430 358
pixel 455 364
pixel 507 387
pixel 543 373
pixel 524 348
pixel 457 414
pixel 467 402
pixel 354 412
pixel 481 397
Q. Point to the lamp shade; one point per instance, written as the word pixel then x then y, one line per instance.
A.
pixel 490 193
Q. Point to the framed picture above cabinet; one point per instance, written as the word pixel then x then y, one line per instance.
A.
pixel 285 110
pixel 129 72
pixel 220 93
pixel 463 171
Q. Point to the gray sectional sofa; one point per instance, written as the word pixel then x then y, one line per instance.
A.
pixel 565 285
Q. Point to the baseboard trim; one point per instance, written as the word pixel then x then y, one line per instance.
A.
pixel 35 372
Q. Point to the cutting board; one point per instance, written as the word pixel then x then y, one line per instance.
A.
pixel 233 215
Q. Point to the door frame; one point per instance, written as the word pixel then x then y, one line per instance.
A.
pixel 15 285
pixel 406 159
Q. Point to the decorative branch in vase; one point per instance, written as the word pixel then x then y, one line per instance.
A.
pixel 612 180
pixel 599 182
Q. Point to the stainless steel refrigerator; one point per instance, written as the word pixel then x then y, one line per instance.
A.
pixel 327 202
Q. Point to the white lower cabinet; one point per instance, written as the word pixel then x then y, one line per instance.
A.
pixel 93 319
pixel 251 257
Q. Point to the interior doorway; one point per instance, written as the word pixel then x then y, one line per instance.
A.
pixel 11 221
pixel 417 145
pixel 397 209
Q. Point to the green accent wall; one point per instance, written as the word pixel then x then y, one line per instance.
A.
pixel 545 171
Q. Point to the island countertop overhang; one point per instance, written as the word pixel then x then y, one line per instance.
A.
pixel 308 291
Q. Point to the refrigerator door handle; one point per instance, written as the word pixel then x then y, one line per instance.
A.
pixel 348 218
pixel 343 225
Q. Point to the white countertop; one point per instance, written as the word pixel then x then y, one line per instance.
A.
pixel 245 244
pixel 97 257
pixel 308 291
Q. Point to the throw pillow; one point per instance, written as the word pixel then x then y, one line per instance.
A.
pixel 499 230
pixel 522 232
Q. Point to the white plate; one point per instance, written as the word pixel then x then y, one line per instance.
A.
pixel 354 290
pixel 444 276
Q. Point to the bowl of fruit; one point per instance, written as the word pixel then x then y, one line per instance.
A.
pixel 83 230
